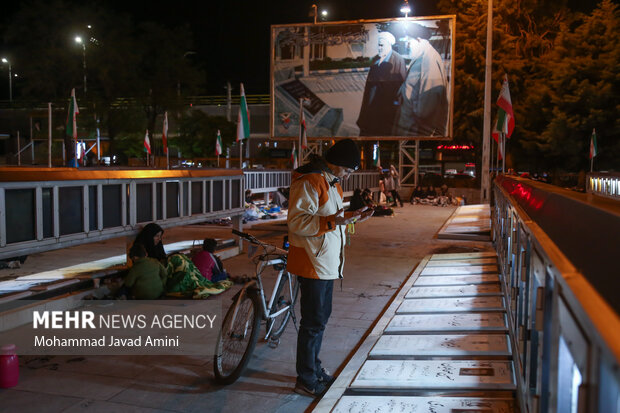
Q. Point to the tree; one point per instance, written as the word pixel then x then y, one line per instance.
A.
pixel 563 72
pixel 198 132
pixel 128 65
pixel 523 32
pixel 580 92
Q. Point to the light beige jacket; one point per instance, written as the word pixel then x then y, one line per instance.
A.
pixel 316 242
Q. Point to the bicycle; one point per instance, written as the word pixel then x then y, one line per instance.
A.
pixel 241 325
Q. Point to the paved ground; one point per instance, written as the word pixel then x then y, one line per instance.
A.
pixel 383 252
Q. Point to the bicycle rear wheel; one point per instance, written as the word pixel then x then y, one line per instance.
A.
pixel 237 339
pixel 285 296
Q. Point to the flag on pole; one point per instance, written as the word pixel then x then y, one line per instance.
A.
pixel 376 155
pixel 294 157
pixel 147 143
pixel 218 144
pixel 164 134
pixel 243 120
pixel 72 116
pixel 593 145
pixel 496 133
pixel 505 115
pixel 302 130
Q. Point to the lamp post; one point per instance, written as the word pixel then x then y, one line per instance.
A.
pixel 5 60
pixel 485 181
pixel 406 9
pixel 79 40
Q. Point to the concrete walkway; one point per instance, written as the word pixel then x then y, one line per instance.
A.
pixel 383 252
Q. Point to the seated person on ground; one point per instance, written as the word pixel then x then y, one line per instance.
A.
pixel 150 237
pixel 367 197
pixel 145 280
pixel 357 201
pixel 445 197
pixel 186 281
pixel 280 198
pixel 209 264
pixel 417 195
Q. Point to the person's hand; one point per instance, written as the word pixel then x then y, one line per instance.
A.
pixel 349 217
pixel 366 214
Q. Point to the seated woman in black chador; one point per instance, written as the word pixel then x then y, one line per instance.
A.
pixel 150 237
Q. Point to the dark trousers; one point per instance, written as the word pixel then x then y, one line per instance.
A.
pixel 396 197
pixel 316 307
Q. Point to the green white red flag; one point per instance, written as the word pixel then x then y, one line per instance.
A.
pixel 302 130
pixel 147 142
pixel 593 145
pixel 376 155
pixel 164 134
pixel 72 116
pixel 294 157
pixel 218 144
pixel 243 120
pixel 505 115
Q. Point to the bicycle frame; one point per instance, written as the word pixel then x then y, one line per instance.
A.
pixel 257 281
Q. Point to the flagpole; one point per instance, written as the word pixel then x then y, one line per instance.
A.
pixel 241 154
pixel 49 134
pixel 485 184
pixel 301 149
pixel 503 152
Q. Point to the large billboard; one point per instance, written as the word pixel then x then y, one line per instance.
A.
pixel 390 78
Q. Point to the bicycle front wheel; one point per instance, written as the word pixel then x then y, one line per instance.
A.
pixel 285 296
pixel 237 339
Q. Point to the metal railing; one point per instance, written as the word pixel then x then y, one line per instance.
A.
pixel 604 184
pixel 361 180
pixel 268 180
pixel 46 209
pixel 564 321
pixel 261 181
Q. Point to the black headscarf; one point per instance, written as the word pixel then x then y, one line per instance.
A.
pixel 145 237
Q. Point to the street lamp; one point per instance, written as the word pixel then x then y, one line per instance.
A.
pixel 406 9
pixel 5 60
pixel 323 14
pixel 79 40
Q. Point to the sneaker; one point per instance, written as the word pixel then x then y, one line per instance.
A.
pixel 316 391
pixel 325 378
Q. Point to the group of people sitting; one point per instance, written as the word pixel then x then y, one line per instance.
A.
pixel 363 198
pixel 431 196
pixel 155 274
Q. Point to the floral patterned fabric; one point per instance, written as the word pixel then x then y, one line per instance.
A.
pixel 185 280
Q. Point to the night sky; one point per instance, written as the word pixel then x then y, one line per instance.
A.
pixel 232 37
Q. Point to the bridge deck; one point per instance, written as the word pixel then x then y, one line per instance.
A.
pixel 442 345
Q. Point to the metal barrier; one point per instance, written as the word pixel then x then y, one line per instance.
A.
pixel 564 321
pixel 605 184
pixel 262 181
pixel 269 180
pixel 46 209
pixel 361 180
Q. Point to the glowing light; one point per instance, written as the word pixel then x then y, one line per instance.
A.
pixel 455 147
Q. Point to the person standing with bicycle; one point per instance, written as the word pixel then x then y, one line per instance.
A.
pixel 317 224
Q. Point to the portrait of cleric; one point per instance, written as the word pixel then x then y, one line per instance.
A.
pixel 385 77
pixel 423 96
pixel 382 78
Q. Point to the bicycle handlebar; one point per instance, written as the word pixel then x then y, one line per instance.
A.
pixel 252 239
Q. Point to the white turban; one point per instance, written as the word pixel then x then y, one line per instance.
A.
pixel 387 36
